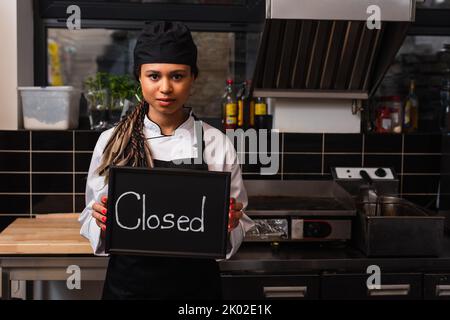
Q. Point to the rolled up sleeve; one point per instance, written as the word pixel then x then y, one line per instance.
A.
pixel 237 191
pixel 95 189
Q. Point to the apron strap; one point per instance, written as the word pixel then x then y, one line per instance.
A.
pixel 201 136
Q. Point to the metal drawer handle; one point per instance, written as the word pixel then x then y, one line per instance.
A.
pixel 390 290
pixel 442 290
pixel 285 292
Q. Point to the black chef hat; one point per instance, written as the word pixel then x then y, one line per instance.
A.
pixel 165 42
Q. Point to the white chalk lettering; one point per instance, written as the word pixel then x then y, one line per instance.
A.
pixel 182 219
pixel 117 210
pixel 156 226
pixel 153 221
pixel 201 228
pixel 143 212
pixel 172 224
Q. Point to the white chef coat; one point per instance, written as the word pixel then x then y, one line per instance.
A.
pixel 219 154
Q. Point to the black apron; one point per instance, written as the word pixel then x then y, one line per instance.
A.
pixel 163 278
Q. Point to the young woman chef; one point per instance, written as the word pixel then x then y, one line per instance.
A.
pixel 157 133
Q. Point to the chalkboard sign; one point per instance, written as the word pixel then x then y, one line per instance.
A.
pixel 165 211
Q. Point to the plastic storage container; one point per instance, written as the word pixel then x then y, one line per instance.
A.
pixel 50 108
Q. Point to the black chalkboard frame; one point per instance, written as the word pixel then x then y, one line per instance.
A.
pixel 114 170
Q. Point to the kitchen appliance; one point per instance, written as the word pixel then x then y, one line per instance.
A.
pixel 321 59
pixel 329 49
pixel 383 180
pixel 385 224
pixel 298 210
pixel 444 196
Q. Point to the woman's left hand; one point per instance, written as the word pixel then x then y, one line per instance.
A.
pixel 235 213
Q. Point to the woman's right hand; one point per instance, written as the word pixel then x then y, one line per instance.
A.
pixel 99 213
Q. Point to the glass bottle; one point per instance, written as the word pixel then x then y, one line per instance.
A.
pixel 384 121
pixel 242 106
pixel 445 104
pixel 411 109
pixel 443 57
pixel 229 106
pixel 395 105
pixel 251 111
pixel 260 113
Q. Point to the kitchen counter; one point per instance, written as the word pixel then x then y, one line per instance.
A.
pixel 46 234
pixel 43 249
pixel 303 257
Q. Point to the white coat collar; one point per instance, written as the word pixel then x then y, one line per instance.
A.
pixel 155 129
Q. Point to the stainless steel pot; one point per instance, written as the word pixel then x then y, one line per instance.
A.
pixel 390 206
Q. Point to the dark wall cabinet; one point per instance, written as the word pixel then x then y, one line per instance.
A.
pixel 354 286
pixel 336 286
pixel 242 287
pixel 437 286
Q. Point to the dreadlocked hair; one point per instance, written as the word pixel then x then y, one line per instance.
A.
pixel 127 145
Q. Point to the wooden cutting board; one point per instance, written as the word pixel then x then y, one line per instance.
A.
pixel 45 234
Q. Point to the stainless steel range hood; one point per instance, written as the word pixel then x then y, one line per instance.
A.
pixel 324 48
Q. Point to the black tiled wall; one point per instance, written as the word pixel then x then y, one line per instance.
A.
pixel 45 171
pixel 445 176
pixel 416 158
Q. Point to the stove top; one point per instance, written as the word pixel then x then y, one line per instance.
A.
pixel 294 203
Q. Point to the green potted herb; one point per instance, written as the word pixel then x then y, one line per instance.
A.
pixel 122 88
pixel 96 92
pixel 109 97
